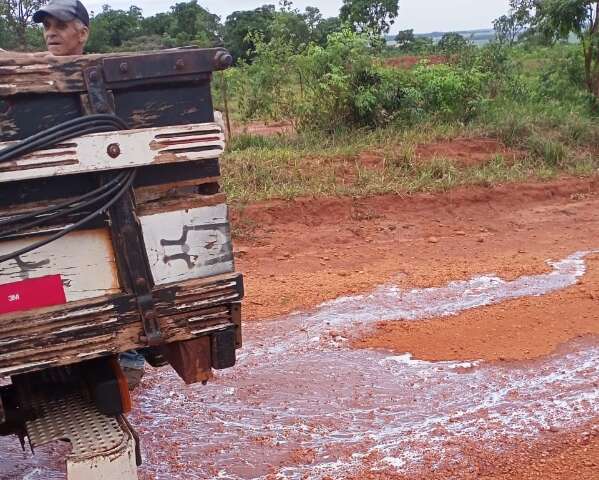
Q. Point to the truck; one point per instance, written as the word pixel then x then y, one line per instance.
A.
pixel 114 237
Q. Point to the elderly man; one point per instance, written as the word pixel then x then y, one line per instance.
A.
pixel 66 26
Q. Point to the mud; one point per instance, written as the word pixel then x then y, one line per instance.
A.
pixel 301 253
pixel 304 402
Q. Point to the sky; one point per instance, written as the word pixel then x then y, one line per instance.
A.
pixel 421 15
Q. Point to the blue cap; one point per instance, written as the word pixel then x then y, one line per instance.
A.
pixel 64 10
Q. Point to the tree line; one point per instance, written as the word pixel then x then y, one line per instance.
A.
pixel 188 23
pixel 550 21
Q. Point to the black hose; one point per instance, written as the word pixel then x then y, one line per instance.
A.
pixel 58 213
pixel 113 189
pixel 60 133
pixel 74 226
pixel 59 206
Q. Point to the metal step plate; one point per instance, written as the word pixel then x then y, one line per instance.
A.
pixel 77 420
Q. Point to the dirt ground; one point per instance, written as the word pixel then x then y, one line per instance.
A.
pixel 298 254
pixel 262 129
pixel 435 336
pixel 467 151
pixel 302 253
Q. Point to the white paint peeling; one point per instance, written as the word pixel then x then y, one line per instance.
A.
pixel 84 259
pixel 137 147
pixel 188 244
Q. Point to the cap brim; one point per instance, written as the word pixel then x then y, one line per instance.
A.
pixel 38 17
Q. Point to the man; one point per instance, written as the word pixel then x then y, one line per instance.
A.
pixel 66 26
pixel 66 30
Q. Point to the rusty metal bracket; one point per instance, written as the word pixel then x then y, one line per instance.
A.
pixel 167 65
pixel 134 270
pixel 145 305
pixel 236 316
pixel 97 95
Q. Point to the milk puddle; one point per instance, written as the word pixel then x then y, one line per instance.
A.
pixel 301 404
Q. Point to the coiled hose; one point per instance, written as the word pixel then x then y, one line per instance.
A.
pixel 104 196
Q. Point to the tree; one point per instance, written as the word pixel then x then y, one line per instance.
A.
pixel 17 14
pixel 239 25
pixel 506 30
pixel 320 28
pixel 313 17
pixel 509 28
pixel 370 16
pixel 148 42
pixel 407 42
pixel 324 28
pixel 158 24
pixel 111 28
pixel 290 27
pixel 5 34
pixel 405 39
pixel 452 43
pixel 560 18
pixel 193 24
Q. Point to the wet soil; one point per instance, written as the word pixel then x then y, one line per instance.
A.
pixel 513 330
pixel 466 273
pixel 298 254
pixel 554 456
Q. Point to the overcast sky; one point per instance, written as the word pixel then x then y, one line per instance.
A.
pixel 421 15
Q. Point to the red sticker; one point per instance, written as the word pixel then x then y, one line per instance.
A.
pixel 32 293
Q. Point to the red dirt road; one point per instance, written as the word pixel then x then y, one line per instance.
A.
pixel 298 254
pixel 448 347
pixel 305 252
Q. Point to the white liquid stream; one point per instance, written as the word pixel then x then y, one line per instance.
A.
pixel 301 404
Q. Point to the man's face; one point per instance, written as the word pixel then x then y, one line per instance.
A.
pixel 64 38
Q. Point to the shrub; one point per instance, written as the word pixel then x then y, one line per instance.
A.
pixel 450 92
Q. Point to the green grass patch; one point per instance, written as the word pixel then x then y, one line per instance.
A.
pixel 309 164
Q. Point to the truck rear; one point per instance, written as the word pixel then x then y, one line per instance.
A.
pixel 114 237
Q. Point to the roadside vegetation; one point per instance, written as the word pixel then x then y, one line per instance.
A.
pixel 359 114
pixel 346 104
pixel 359 121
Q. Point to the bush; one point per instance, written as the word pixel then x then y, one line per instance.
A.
pixel 562 75
pixel 449 92
pixel 266 88
pixel 341 86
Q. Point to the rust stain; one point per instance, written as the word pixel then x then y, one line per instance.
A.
pixel 208 130
pixel 156 145
pixel 142 118
pixel 8 126
pixel 103 236
pixel 165 157
pixel 48 154
pixel 18 168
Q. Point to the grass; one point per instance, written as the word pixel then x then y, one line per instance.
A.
pixel 538 113
pixel 286 167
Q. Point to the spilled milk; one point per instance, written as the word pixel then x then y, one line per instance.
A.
pixel 301 404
